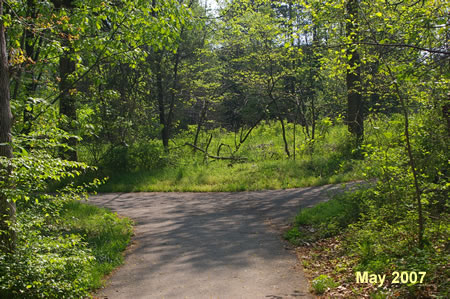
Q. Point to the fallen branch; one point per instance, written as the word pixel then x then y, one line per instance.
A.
pixel 220 147
pixel 214 157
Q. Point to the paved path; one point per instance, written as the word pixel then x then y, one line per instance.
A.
pixel 210 245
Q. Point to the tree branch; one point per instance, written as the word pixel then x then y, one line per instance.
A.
pixel 215 157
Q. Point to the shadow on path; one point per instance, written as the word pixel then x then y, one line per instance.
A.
pixel 210 245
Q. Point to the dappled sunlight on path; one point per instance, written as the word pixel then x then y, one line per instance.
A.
pixel 210 245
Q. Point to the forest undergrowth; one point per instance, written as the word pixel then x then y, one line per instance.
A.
pixel 259 164
pixel 64 247
pixel 376 229
pixel 65 250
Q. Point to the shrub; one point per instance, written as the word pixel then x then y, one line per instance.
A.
pixel 46 267
pixel 144 155
pixel 51 258
pixel 140 155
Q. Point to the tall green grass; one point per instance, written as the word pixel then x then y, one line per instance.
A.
pixel 220 176
pixel 106 234
pixel 145 166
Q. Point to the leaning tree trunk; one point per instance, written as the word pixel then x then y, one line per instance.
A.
pixel 283 130
pixel 7 206
pixel 354 97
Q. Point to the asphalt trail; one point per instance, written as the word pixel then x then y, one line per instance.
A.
pixel 210 245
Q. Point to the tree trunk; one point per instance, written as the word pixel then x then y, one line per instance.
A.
pixel 201 120
pixel 67 105
pixel 412 163
pixel 7 207
pixel 313 119
pixel 354 95
pixel 29 46
pixel 160 91
pixel 283 129
pixel 161 101
pixel 173 91
pixel 314 73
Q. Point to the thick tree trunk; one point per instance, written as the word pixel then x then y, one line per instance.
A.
pixel 7 206
pixel 173 91
pixel 355 116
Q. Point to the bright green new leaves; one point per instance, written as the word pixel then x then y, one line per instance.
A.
pixel 255 45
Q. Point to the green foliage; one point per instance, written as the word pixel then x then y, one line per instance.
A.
pixel 379 223
pixel 141 155
pixel 106 235
pixel 46 263
pixel 55 256
pixel 326 161
pixel 140 69
pixel 321 283
pixel 64 250
pixel 326 219
pixel 383 241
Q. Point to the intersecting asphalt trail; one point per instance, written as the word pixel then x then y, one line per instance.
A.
pixel 210 245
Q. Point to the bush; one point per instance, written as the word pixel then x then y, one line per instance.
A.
pixel 46 267
pixel 104 232
pixel 52 259
pixel 47 262
pixel 146 155
pixel 141 155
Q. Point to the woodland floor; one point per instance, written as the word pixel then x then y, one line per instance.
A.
pixel 211 245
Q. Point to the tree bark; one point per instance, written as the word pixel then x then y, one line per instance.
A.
pixel 173 91
pixel 161 101
pixel 7 206
pixel 67 105
pixel 355 118
pixel 160 91
pixel 29 46
pixel 201 120
pixel 283 130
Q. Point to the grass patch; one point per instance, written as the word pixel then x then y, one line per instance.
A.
pixel 148 167
pixel 106 234
pixel 221 176
pixel 324 219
